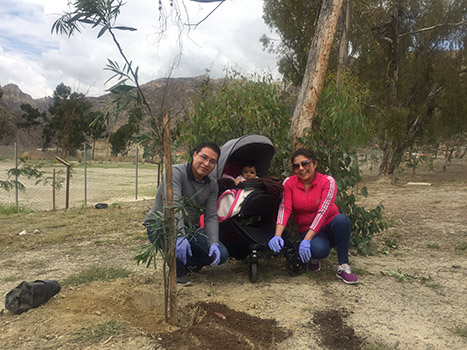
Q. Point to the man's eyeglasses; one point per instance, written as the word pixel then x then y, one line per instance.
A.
pixel 205 158
pixel 303 163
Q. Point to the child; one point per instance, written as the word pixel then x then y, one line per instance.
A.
pixel 248 172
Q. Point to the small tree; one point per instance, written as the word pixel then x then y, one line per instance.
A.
pixel 69 120
pixel 120 140
pixel 97 128
pixel 104 14
pixel 23 170
pixel 31 118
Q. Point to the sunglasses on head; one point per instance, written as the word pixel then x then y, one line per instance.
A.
pixel 303 163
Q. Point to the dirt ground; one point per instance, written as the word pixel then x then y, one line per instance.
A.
pixel 411 295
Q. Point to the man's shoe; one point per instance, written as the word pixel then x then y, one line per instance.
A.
pixel 194 268
pixel 346 275
pixel 314 265
pixel 184 281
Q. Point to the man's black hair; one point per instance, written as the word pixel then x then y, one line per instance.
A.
pixel 208 144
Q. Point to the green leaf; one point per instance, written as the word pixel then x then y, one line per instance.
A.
pixel 87 21
pixel 125 28
pixel 101 32
pixel 121 88
pixel 364 191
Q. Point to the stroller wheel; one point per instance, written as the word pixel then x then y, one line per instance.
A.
pixel 253 272
pixel 293 264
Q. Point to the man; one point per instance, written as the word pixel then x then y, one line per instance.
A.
pixel 193 182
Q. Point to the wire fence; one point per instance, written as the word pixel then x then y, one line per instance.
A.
pixel 94 181
pixel 90 182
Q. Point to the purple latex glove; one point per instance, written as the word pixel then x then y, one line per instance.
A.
pixel 304 250
pixel 276 243
pixel 214 250
pixel 182 248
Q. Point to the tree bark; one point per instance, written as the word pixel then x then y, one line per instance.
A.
pixel 383 166
pixel 391 38
pixel 344 43
pixel 171 221
pixel 410 136
pixel 315 71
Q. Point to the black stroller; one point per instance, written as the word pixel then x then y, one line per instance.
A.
pixel 249 231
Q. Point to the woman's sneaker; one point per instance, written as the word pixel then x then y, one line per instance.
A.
pixel 345 274
pixel 314 265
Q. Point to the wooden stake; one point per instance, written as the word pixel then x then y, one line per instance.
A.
pixel 170 216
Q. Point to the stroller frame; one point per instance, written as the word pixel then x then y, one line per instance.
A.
pixel 249 232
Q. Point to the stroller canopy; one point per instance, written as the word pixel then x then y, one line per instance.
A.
pixel 249 147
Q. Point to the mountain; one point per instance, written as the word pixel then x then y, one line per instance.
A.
pixel 10 114
pixel 178 100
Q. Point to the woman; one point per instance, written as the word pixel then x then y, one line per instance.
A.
pixel 310 196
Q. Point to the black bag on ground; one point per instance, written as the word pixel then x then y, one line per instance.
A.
pixel 28 295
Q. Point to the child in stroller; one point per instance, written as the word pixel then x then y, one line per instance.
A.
pixel 251 225
pixel 248 172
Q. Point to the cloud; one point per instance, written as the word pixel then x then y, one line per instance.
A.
pixel 37 60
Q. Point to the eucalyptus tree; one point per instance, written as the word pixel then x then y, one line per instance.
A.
pixel 396 48
pixel 416 40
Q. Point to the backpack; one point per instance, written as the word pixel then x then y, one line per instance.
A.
pixel 28 295
pixel 230 202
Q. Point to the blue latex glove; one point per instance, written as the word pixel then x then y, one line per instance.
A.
pixel 182 248
pixel 214 250
pixel 304 250
pixel 276 244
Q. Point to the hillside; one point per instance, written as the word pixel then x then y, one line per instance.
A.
pixel 178 99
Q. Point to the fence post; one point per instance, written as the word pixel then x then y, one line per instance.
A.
pixel 53 191
pixel 136 182
pixel 85 177
pixel 68 166
pixel 16 177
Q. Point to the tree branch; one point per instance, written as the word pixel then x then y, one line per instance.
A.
pixel 433 27
pixel 131 70
pixel 195 25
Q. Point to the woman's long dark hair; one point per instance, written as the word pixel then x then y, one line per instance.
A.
pixel 307 153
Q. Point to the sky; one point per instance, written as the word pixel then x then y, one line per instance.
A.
pixel 37 60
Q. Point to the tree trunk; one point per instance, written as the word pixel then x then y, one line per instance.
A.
pixel 399 149
pixel 315 70
pixel 463 153
pixel 392 40
pixel 171 221
pixel 344 44
pixel 93 148
pixel 383 167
